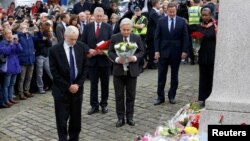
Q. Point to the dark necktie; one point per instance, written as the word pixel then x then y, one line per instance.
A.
pixel 82 27
pixel 172 25
pixel 72 65
pixel 97 32
pixel 126 39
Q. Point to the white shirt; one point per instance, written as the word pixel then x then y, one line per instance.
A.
pixel 157 11
pixel 67 50
pixel 170 21
pixel 64 24
pixel 96 25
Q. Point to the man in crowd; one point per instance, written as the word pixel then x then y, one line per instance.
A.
pixel 83 22
pixel 99 65
pixel 81 6
pixel 61 26
pixel 154 15
pixel 171 45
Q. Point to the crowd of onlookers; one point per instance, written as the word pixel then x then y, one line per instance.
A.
pixel 26 34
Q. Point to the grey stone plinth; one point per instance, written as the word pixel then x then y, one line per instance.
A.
pixel 231 88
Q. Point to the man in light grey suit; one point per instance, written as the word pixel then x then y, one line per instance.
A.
pixel 128 81
pixel 60 28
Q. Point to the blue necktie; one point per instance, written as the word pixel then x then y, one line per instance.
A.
pixel 172 25
pixel 72 65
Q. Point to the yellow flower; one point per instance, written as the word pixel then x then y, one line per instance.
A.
pixel 191 130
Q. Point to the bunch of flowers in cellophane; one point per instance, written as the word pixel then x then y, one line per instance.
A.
pixel 196 40
pixel 103 45
pixel 182 127
pixel 125 49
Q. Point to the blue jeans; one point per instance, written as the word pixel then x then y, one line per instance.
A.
pixel 41 63
pixel 9 81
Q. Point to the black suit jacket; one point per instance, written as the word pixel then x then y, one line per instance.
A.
pixel 79 8
pixel 152 22
pixel 91 40
pixel 60 32
pixel 133 67
pixel 171 44
pixel 60 69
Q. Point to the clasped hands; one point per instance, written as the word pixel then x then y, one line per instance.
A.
pixel 73 88
pixel 122 60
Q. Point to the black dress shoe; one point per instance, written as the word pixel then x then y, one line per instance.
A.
pixel 130 122
pixel 158 102
pixel 93 110
pixel 172 101
pixel 120 123
pixel 105 109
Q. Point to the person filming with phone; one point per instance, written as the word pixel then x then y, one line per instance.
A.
pixel 10 48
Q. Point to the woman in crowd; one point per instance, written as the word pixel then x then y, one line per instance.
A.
pixel 91 19
pixel 10 47
pixel 74 21
pixel 206 54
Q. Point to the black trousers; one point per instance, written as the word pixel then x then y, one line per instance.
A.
pixel 206 81
pixel 95 73
pixel 122 83
pixel 150 52
pixel 162 77
pixel 68 108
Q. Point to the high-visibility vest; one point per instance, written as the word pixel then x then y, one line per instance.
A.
pixel 137 31
pixel 194 15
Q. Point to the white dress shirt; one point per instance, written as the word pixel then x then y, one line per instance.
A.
pixel 67 50
pixel 64 24
pixel 170 21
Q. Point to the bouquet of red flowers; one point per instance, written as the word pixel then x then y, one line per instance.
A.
pixel 196 38
pixel 103 45
pixel 197 35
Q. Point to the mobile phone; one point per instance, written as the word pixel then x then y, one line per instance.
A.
pixel 15 37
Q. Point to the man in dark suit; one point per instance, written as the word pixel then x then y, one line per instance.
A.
pixel 81 6
pixel 154 16
pixel 99 65
pixel 83 22
pixel 67 65
pixel 126 80
pixel 60 28
pixel 171 45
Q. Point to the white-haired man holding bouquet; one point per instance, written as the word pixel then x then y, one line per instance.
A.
pixel 125 78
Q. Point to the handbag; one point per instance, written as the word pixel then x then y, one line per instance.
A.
pixel 2 58
pixel 3 66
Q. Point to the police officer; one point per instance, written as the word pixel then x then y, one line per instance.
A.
pixel 140 23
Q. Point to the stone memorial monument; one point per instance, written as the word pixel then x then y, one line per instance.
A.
pixel 229 102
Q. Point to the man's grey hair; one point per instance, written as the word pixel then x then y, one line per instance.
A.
pixel 98 9
pixel 114 15
pixel 71 29
pixel 82 13
pixel 126 21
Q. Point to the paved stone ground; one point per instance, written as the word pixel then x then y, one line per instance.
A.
pixel 34 119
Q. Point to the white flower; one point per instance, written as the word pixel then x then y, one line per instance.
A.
pixel 117 46
pixel 123 48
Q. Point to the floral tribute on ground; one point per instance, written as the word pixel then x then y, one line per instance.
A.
pixel 182 127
